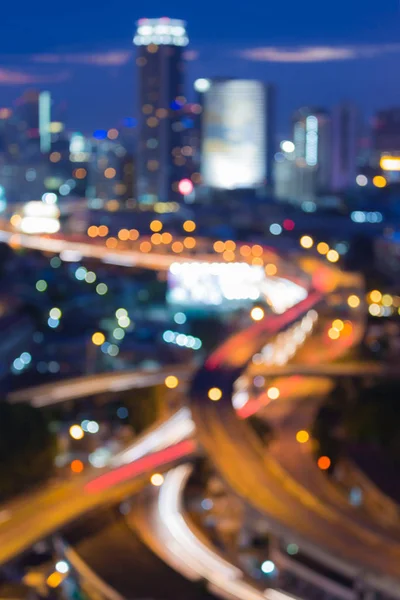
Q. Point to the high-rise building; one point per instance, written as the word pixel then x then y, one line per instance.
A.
pixel 237 133
pixel 34 115
pixel 386 132
pixel 345 140
pixel 312 140
pixel 160 44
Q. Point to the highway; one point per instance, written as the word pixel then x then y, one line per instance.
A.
pixel 90 385
pixel 161 521
pixel 292 512
pixel 110 548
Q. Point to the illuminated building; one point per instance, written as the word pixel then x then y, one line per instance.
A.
pixel 345 134
pixel 284 172
pixel 312 140
pixel 110 175
pixel 160 44
pixel 34 115
pixel 237 133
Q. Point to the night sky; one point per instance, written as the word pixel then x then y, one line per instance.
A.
pixel 316 52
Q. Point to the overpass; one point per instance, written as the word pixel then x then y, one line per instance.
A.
pixel 350 369
pixel 90 385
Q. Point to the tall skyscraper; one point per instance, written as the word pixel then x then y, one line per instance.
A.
pixel 345 139
pixel 237 133
pixel 312 140
pixel 34 115
pixel 160 43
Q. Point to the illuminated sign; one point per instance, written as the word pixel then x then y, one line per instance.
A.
pixel 164 31
pixel 234 134
pixel 390 163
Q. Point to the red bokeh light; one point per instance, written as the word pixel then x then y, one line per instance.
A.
pixel 288 224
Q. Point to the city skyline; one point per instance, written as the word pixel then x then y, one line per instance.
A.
pixel 92 72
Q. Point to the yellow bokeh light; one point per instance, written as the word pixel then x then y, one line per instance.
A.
pixel 306 241
pixel 375 296
pixel 219 246
pixel 302 436
pixel 353 301
pixel 189 226
pixel 257 313
pixel 245 250
pixel 156 239
pixel 123 234
pixel 338 324
pixel 374 310
pixel 215 394
pixel 157 479
pixel 171 382
pixel 92 231
pixel 228 255
pixel 257 250
pixel 333 256
pixel 189 242
pixel 166 238
pixel 379 181
pixel 387 300
pixel 273 393
pixel 334 334
pixel 98 338
pixel 76 432
pixel 177 247
pixel 156 225
pixel 230 245
pixel 54 580
pixel 15 220
pixel 112 243
pixel 270 270
pixel 102 231
pixel 323 248
pixel 145 247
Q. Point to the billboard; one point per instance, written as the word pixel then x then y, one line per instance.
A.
pixel 234 134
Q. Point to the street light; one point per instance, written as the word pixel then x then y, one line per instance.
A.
pixel 257 313
pixel 76 432
pixel 306 242
pixel 171 382
pixel 98 338
pixel 215 394
pixel 157 479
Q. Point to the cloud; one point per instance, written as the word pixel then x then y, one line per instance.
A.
pixel 313 54
pixel 18 77
pixel 112 58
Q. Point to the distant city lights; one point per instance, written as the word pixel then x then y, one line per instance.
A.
pixel 182 340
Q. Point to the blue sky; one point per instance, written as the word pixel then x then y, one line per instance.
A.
pixel 314 51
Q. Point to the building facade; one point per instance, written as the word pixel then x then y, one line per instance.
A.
pixel 160 44
pixel 237 133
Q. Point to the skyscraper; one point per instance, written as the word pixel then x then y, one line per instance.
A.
pixel 34 114
pixel 312 140
pixel 345 137
pixel 159 58
pixel 237 133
